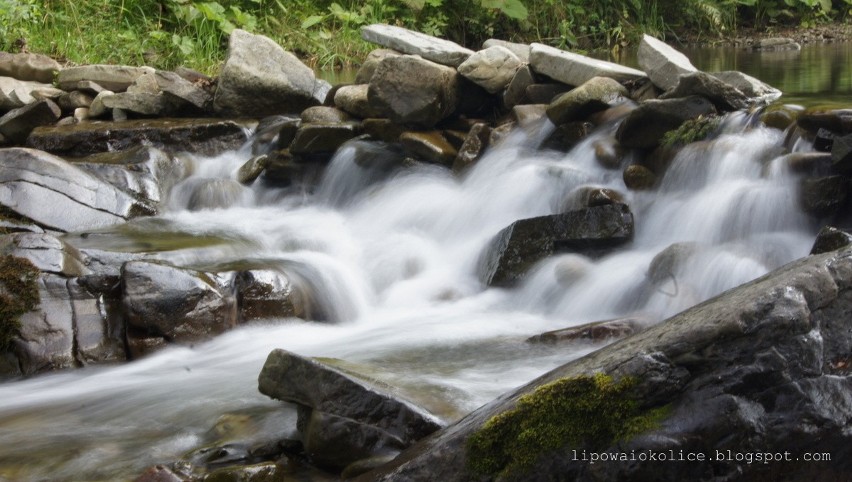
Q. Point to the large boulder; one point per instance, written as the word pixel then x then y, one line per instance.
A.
pixel 492 68
pixel 596 94
pixel 203 136
pixel 355 100
pixel 368 67
pixel 412 90
pixel 116 78
pixel 663 63
pixel 343 418
pixel 410 42
pixel 575 69
pixel 724 96
pixel 743 387
pixel 27 66
pixel 645 126
pixel 58 195
pixel 259 78
pixel 592 231
pixel 264 294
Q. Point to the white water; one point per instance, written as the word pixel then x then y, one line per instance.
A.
pixel 393 259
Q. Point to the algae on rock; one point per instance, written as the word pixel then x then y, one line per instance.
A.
pixel 18 295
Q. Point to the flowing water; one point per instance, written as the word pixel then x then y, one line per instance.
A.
pixel 392 256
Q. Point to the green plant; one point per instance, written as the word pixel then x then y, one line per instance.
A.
pixel 18 295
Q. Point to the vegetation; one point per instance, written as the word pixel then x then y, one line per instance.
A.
pixel 167 33
pixel 693 130
pixel 588 412
pixel 18 295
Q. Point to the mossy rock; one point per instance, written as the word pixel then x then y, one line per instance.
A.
pixel 690 131
pixel 588 412
pixel 18 295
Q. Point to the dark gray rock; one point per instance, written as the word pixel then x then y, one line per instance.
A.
pixel 831 239
pixel 725 97
pixel 252 169
pixel 841 154
pixel 838 121
pixel 274 132
pixel 473 147
pixel 17 124
pixel 645 126
pixel 544 93
pixel 591 196
pixel 594 332
pixel 639 178
pixel 763 368
pixel 597 94
pixel 515 249
pixel 98 327
pixel 516 91
pixel 822 196
pixel 336 442
pixel 753 88
pixel 73 100
pixel 264 294
pixel 318 142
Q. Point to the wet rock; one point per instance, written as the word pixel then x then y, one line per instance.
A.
pixel 324 115
pixel 725 97
pixel 383 129
pixel 259 78
pixel 252 169
pixel 544 93
pixel 668 262
pixel 824 140
pixel 748 85
pixel 596 94
pixel 429 146
pixel 781 118
pixel 575 69
pixel 492 68
pixel 591 196
pixel 47 253
pixel 98 109
pixel 58 195
pixel 473 147
pixel 411 90
pixel 368 67
pixel 17 124
pixel 808 162
pixel 267 294
pixel 336 442
pixel 761 362
pixel 567 135
pixel 179 305
pixel 591 332
pixel 410 42
pixel 274 132
pixel 116 78
pixel 837 121
pixel 608 154
pixel 203 136
pixel 663 63
pixel 28 66
pixel 645 126
pixel 518 247
pixel 262 472
pixel 822 196
pixel 321 140
pixel 841 154
pixel 46 337
pixel 527 115
pixel 216 194
pixel 516 91
pixel 776 43
pixel 98 328
pixel 831 239
pixel 639 178
pixel 159 473
pixel 522 51
pixel 354 99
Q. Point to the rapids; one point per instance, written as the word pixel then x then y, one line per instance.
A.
pixel 392 255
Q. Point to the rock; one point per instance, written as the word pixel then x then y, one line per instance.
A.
pixel 668 263
pixel 354 99
pixel 824 140
pixel 595 332
pixel 17 124
pixel 47 253
pixel 725 97
pixel 575 69
pixel 776 43
pixel 116 78
pixel 142 103
pixel 429 146
pixel 183 91
pixel 522 51
pixel 89 87
pixel 98 328
pixel 838 121
pixel 516 91
pixel 203 136
pixel 368 67
pixel 263 294
pixel 596 94
pixel 252 169
pixel 383 129
pixel 608 154
pixel 518 247
pixel 18 93
pixel 74 100
pixel 639 178
pixel 216 193
pixel 472 148
pixel 527 115
pixel 645 126
pixel 27 66
pixel 823 196
pixel 342 418
pixel 97 108
pixel 748 85
pixel 274 132
pixel 158 473
pixel 198 306
pixel 57 195
pixel 492 68
pixel 259 78
pixel 544 93
pixel 407 41
pixel 567 135
pixel 780 118
pixel 808 162
pixel 46 338
pixel 831 239
pixel 841 154
pixel 324 115
pixel 261 472
pixel 589 197
pixel 748 371
pixel 320 141
pixel 663 63
pixel 411 90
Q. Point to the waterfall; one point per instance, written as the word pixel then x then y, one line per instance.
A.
pixel 392 254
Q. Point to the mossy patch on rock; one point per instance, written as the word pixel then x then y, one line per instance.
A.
pixel 691 131
pixel 18 295
pixel 585 411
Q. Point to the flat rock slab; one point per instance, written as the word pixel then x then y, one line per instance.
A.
pixel 203 136
pixel 575 69
pixel 407 41
pixel 662 62
pixel 116 78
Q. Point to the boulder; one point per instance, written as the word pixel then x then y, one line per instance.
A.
pixel 841 154
pixel 274 132
pixel 179 305
pixel 429 146
pixel 838 121
pixel 202 136
pixel 17 124
pixel 596 94
pixel 725 97
pixel 472 148
pixel 595 332
pixel 663 63
pixel 58 195
pixel 522 51
pixel 528 115
pixel 98 328
pixel 46 337
pixel 318 142
pixel 116 78
pixel 831 239
pixel 252 169
pixel 259 78
pixel 412 90
pixel 368 67
pixel 516 91
pixel 46 252
pixel 645 126
pixel 383 129
pixel 822 196
pixel 410 42
pixel 264 294
pixel 323 115
pixel 567 135
pixel 545 93
pixel 28 66
pixel 760 369
pixel 492 68
pixel 639 178
pixel 336 442
pixel 515 249
pixel 142 103
pixel 575 69
pixel 753 88
pixel 355 100
pixel 181 91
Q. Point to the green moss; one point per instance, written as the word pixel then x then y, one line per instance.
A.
pixel 590 412
pixel 691 131
pixel 18 295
